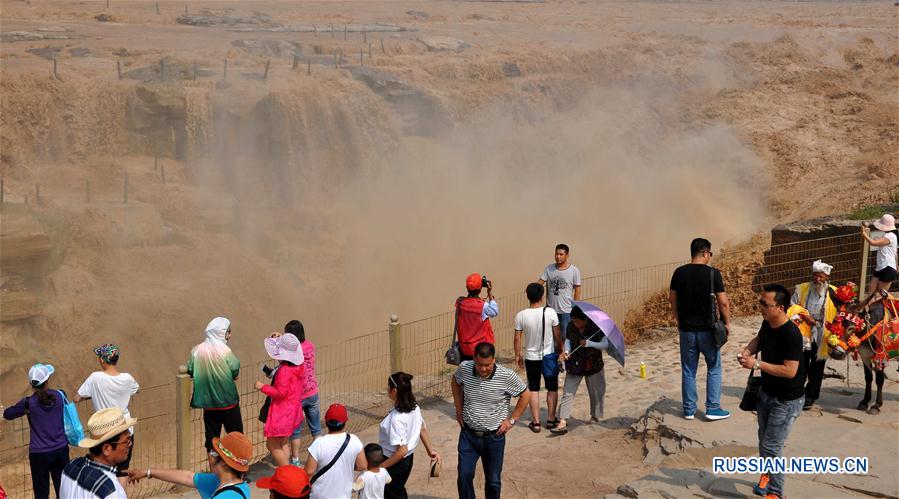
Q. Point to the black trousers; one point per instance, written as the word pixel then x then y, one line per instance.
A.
pixel 399 474
pixel 814 374
pixel 47 463
pixel 214 420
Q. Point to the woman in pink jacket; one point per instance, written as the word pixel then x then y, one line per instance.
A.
pixel 286 391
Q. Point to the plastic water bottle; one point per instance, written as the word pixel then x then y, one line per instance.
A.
pixel 643 370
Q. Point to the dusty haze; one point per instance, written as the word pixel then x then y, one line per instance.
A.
pixel 627 130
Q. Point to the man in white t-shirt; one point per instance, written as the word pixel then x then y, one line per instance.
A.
pixel 335 481
pixel 110 388
pixel 563 283
pixel 542 337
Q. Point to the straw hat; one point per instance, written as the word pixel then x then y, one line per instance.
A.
pixel 887 223
pixel 235 449
pixel 103 425
pixel 285 347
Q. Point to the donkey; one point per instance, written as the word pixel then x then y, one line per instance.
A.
pixel 872 349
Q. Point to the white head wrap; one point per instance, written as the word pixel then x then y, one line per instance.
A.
pixel 217 329
pixel 819 266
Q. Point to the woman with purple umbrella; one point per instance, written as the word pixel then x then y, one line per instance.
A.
pixel 584 343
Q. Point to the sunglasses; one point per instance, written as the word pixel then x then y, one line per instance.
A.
pixel 764 304
pixel 127 442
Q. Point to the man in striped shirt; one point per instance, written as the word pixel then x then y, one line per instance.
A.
pixel 481 392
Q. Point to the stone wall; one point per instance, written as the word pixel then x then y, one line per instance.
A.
pixel 835 240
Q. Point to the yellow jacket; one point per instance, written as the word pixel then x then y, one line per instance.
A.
pixel 804 327
pixel 830 313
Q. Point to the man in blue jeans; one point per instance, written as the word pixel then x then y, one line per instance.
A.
pixel 783 374
pixel 481 393
pixel 693 288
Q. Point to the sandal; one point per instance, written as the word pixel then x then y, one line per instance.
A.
pixel 551 423
pixel 559 431
pixel 534 426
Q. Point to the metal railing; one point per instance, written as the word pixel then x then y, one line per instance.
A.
pixel 353 372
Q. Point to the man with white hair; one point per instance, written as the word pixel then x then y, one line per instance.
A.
pixel 816 297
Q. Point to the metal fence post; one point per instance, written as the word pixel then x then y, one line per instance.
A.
pixel 183 426
pixel 862 280
pixel 395 332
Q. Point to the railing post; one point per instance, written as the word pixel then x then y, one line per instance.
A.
pixel 395 332
pixel 862 280
pixel 183 426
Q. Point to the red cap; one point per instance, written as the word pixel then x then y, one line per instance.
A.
pixel 336 413
pixel 288 480
pixel 473 282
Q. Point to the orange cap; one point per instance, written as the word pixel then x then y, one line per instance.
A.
pixel 473 282
pixel 288 480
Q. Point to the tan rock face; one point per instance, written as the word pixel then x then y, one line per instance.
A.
pixel 19 305
pixel 25 244
pixel 18 302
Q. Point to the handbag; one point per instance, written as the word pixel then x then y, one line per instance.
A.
pixel 751 396
pixel 263 411
pixel 550 362
pixel 71 421
pixel 453 354
pixel 718 328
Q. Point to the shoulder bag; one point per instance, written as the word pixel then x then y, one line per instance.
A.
pixel 550 362
pixel 71 421
pixel 453 355
pixel 322 471
pixel 751 395
pixel 263 411
pixel 718 327
pixel 228 488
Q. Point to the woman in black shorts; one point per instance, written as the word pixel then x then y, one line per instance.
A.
pixel 885 265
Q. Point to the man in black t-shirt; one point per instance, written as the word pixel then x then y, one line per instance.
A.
pixel 691 301
pixel 782 395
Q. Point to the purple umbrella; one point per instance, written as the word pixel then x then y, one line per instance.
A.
pixel 607 325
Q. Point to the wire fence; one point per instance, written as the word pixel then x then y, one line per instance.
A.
pixel 258 56
pixel 354 372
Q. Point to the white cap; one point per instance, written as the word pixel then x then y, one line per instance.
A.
pixel 40 373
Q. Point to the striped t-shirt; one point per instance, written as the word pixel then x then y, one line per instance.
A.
pixel 485 402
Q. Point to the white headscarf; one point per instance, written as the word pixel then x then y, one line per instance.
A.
pixel 216 331
pixel 819 266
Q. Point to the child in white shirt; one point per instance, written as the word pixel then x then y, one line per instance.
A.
pixel 370 484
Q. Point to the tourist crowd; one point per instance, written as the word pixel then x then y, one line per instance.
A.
pixel 552 335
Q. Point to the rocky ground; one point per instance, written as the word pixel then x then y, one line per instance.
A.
pixel 644 448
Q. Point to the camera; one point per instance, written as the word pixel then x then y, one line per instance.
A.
pixel 485 282
pixel 267 371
